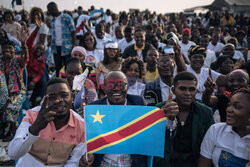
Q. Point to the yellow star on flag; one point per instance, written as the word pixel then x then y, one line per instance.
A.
pixel 97 117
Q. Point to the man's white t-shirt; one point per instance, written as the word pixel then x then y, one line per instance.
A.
pixel 122 44
pixel 185 48
pixel 100 43
pixel 216 48
pixel 58 30
pixel 225 147
pixel 238 55
pixel 202 77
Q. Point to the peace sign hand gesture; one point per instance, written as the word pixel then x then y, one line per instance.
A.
pixel 44 116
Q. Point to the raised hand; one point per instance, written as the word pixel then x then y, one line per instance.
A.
pixel 38 22
pixel 43 118
pixel 22 35
pixel 177 49
pixel 171 109
pixel 209 83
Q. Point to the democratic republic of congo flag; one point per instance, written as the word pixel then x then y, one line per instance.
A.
pixel 116 129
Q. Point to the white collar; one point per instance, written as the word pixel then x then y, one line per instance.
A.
pixel 230 130
pixel 163 85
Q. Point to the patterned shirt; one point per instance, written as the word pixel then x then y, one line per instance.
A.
pixel 117 160
pixel 67 27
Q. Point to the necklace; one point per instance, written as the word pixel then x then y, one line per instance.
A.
pixel 182 123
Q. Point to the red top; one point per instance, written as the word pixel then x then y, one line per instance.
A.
pixel 34 67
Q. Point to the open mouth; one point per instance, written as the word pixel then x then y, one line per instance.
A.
pixel 117 95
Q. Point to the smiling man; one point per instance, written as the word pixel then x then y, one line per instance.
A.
pixel 140 48
pixel 116 89
pixel 50 135
pixel 191 120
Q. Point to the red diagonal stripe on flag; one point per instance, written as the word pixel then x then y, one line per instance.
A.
pixel 133 128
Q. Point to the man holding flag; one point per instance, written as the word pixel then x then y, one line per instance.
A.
pixel 122 131
pixel 118 96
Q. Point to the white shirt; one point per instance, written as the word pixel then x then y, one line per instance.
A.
pixel 185 48
pixel 238 55
pixel 202 77
pixel 216 48
pixel 210 58
pixel 165 90
pixel 82 18
pixel 224 146
pixel 94 57
pixel 136 89
pixel 108 19
pixel 43 30
pixel 58 30
pixel 100 43
pixel 115 39
pixel 139 54
pixel 122 44
pixel 161 45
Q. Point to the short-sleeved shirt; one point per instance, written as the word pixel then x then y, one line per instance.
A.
pixel 225 147
pixel 67 41
pixel 202 77
pixel 216 48
pixel 43 30
pixel 185 48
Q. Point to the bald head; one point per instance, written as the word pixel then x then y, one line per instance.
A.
pixel 115 75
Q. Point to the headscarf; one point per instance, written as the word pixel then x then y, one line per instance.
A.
pixel 197 50
pixel 240 71
pixel 79 49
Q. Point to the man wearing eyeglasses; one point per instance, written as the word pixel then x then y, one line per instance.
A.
pixel 116 87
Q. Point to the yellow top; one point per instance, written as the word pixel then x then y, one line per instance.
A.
pixel 151 76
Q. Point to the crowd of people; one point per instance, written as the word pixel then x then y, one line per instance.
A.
pixel 194 67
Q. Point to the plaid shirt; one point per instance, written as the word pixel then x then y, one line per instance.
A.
pixel 67 27
pixel 123 160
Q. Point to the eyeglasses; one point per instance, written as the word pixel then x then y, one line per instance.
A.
pixel 116 84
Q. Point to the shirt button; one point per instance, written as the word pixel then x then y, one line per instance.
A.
pixel 23 138
pixel 54 138
pixel 26 134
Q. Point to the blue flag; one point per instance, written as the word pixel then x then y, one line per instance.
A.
pixel 115 129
